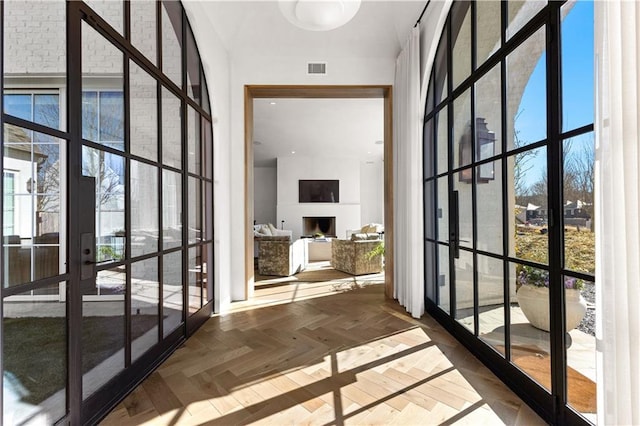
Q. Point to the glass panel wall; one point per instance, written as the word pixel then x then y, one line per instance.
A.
pixel 510 198
pixel 146 265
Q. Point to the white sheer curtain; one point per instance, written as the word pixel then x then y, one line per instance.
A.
pixel 408 186
pixel 617 37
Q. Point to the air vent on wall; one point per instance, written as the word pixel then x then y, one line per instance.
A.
pixel 316 67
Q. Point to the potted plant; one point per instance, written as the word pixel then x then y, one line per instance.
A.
pixel 533 297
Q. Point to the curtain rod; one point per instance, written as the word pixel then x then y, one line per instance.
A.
pixel 422 14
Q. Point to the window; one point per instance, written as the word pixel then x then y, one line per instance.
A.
pixel 9 203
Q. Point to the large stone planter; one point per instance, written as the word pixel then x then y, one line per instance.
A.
pixel 534 302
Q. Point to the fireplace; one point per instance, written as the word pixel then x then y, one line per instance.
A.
pixel 325 225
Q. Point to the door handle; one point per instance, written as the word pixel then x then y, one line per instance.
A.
pixel 87 256
pixel 454 234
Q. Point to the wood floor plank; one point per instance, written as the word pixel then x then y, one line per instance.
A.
pixel 348 357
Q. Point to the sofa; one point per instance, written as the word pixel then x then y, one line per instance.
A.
pixel 278 255
pixel 354 257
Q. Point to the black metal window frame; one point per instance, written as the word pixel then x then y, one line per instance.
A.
pixel 552 406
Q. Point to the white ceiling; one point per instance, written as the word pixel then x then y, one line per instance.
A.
pixel 379 29
pixel 346 128
pixel 315 127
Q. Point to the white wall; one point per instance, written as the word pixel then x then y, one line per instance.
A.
pixel 347 211
pixel 371 192
pixel 227 76
pixel 265 184
pixel 273 71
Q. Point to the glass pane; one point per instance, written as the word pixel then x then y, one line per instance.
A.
pixel 103 102
pixel 462 183
pixel 34 358
pixel 193 68
pixel 431 270
pixel 43 24
pixel 195 210
pixel 488 115
pixel 46 110
pixel 580 320
pixel 464 289
pixel 172 291
pixel 491 302
pixel 440 66
pixel 111 11
pixel 489 207
pixel 462 136
pixel 488 26
pixel 172 41
pixel 527 92
pixel 530 348
pixel 577 64
pixel 171 129
pixel 444 297
pixel 527 194
pixel 19 105
pixel 429 209
pixel 32 191
pixel 208 149
pixel 103 330
pixel 520 12
pixel 144 113
pixel 145 298
pixel 171 209
pixel 461 39
pixel 443 209
pixel 430 96
pixel 207 269
pixel 428 143
pixel 578 201
pixel 143 28
pixel 208 211
pixel 442 140
pixel 193 140
pixel 144 209
pixel 108 169
pixel 205 93
pixel 195 279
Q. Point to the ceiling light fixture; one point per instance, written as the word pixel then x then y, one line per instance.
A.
pixel 272 103
pixel 319 15
pixel 293 152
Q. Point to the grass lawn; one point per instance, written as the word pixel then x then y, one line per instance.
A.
pixel 580 248
pixel 35 349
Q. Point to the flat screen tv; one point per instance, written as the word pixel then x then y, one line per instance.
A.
pixel 319 191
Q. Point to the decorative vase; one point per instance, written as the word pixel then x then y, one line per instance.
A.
pixel 534 302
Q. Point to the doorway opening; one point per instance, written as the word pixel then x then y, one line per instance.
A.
pixel 317 92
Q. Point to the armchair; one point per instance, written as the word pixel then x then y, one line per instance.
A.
pixel 278 255
pixel 353 256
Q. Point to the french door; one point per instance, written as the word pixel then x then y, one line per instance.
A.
pixel 509 196
pixel 107 205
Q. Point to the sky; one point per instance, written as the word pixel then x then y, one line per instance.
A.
pixel 577 85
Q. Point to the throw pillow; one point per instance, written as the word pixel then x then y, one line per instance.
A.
pixel 265 230
pixel 272 229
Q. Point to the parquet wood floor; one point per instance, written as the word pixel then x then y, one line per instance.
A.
pixel 321 353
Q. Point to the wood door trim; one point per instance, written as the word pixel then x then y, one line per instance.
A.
pixel 385 92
